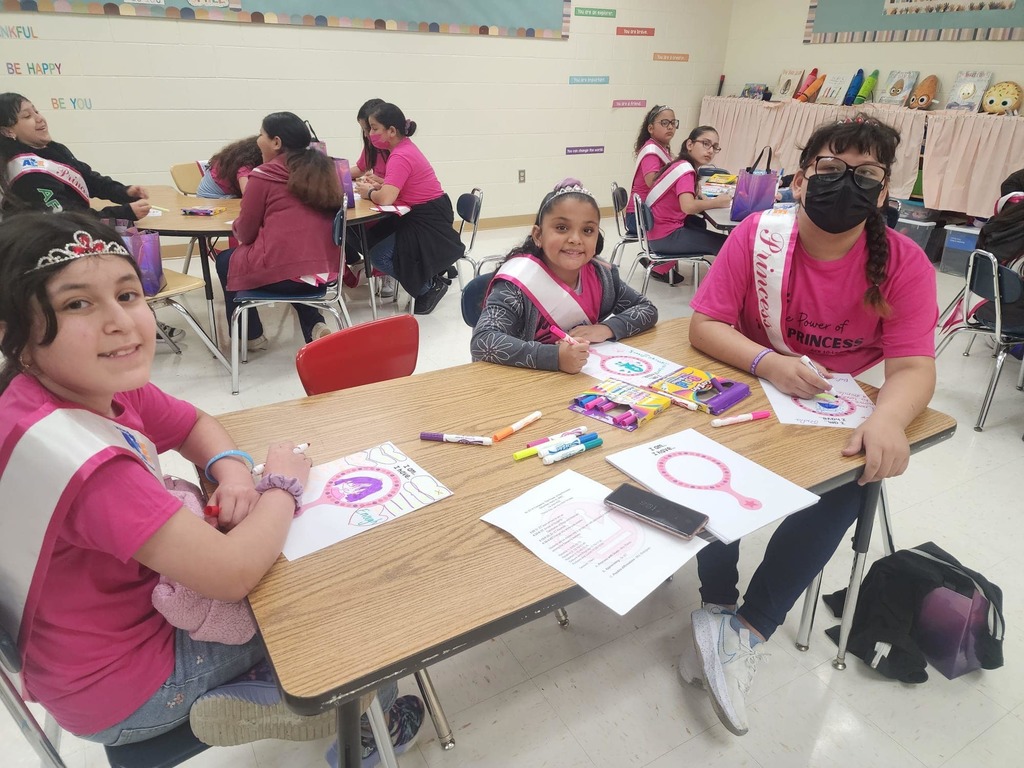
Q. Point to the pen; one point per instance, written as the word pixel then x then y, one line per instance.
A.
pixel 807 361
pixel 438 437
pixel 755 416
pixel 526 421
pixel 567 433
pixel 258 469
pixel 560 334
pixel 573 451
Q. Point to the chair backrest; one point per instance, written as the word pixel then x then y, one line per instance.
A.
pixel 473 296
pixel 644 221
pixel 893 209
pixel 375 351
pixel 187 177
pixel 620 199
pixel 982 269
pixel 468 207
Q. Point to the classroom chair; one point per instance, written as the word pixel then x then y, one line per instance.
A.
pixel 995 317
pixel 375 351
pixel 644 224
pixel 178 284
pixel 330 298
pixel 473 297
pixel 468 207
pixel 620 198
pixel 186 177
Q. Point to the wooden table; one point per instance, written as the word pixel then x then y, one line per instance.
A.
pixel 397 598
pixel 719 219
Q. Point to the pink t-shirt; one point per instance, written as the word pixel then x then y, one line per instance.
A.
pixel 826 318
pixel 648 164
pixel 99 649
pixel 668 216
pixel 409 170
pixel 380 165
pixel 243 173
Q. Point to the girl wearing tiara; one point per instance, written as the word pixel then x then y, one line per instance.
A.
pixel 652 153
pixel 81 428
pixel 552 285
pixel 833 283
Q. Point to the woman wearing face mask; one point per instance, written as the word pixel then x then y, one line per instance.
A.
pixel 833 283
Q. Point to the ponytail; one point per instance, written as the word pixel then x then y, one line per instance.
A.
pixel 878 263
pixel 313 180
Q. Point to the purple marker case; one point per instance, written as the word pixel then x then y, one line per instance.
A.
pixel 719 402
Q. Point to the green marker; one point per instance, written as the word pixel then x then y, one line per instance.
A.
pixel 867 89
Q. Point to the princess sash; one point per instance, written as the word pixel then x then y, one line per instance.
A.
pixel 22 164
pixel 557 305
pixel 774 240
pixel 666 182
pixel 651 148
pixel 43 464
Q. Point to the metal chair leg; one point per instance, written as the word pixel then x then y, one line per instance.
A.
pixel 236 344
pixel 803 635
pixel 861 541
pixel 990 394
pixel 888 543
pixel 433 705
pixel 198 330
pixel 1020 376
pixel 167 339
pixel 967 352
pixel 563 618
pixel 381 734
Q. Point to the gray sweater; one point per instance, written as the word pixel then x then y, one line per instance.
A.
pixel 505 332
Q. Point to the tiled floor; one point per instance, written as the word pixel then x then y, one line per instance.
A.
pixel 604 692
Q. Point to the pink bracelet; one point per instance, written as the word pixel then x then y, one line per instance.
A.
pixel 760 356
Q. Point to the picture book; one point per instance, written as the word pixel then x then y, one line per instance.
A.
pixel 348 496
pixel 968 88
pixel 845 405
pixel 897 87
pixel 625 363
pixel 833 90
pixel 738 495
pixel 789 81
pixel 622 405
pixel 721 178
pixel 702 388
pixel 754 91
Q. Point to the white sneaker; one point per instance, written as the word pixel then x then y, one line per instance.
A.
pixel 728 664
pixel 320 330
pixel 690 668
pixel 258 344
pixel 387 286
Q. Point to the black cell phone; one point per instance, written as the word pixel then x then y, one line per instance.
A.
pixel 667 515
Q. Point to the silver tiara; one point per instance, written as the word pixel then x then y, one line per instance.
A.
pixel 574 189
pixel 82 245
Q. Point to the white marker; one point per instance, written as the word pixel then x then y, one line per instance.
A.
pixel 807 361
pixel 300 448
pixel 755 416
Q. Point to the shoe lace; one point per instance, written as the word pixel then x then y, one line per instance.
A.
pixel 751 660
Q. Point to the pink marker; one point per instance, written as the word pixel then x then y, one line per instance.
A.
pixel 628 420
pixel 755 416
pixel 558 333
pixel 596 402
pixel 574 432
pixel 608 405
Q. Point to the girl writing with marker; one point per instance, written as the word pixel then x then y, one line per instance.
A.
pixel 553 283
pixel 677 205
pixel 372 163
pixel 77 342
pixel 228 171
pixel 833 283
pixel 652 151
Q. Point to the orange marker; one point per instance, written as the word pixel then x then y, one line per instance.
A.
pixel 812 90
pixel 523 422
pixel 811 77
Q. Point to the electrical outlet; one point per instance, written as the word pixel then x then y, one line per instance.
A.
pixel 522 177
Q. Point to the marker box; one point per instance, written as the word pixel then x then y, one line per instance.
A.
pixel 619 404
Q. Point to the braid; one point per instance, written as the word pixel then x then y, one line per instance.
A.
pixel 878 261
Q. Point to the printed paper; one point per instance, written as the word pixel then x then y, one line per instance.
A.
pixel 845 406
pixel 610 359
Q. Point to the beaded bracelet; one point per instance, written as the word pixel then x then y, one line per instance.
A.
pixel 223 455
pixel 760 356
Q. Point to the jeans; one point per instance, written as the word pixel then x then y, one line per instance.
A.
pixel 198 668
pixel 308 316
pixel 382 256
pixel 630 222
pixel 800 547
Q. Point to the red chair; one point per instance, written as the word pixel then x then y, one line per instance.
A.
pixel 375 351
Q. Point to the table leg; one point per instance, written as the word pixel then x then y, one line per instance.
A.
pixel 350 748
pixel 861 541
pixel 204 263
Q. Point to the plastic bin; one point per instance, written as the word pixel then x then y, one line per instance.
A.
pixel 960 241
pixel 918 231
pixel 914 209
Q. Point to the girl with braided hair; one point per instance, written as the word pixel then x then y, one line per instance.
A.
pixel 830 282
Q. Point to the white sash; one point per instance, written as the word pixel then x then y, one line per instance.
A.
pixel 666 182
pixel 23 164
pixel 44 470
pixel 774 242
pixel 558 306
pixel 651 148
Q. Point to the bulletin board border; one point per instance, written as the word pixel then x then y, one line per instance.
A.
pixel 922 35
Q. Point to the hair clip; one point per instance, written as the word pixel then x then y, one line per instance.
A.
pixel 82 245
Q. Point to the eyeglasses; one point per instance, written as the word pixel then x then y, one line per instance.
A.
pixel 668 123
pixel 708 144
pixel 865 176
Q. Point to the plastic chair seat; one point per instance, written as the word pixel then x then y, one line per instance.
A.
pixel 166 751
pixel 257 295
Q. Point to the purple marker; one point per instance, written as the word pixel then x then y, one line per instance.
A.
pixel 438 437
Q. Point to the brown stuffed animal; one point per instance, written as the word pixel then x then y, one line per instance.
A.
pixel 924 94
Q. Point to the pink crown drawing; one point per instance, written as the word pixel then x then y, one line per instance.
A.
pixel 82 245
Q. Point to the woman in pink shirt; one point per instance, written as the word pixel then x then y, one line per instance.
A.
pixel 677 205
pixel 833 284
pixel 419 247
pixel 652 151
pixel 372 163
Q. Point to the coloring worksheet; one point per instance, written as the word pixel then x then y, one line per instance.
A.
pixel 738 495
pixel 351 495
pixel 618 559
pixel 845 405
pixel 610 359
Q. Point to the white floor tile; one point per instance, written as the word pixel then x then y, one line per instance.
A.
pixel 715 748
pixel 993 747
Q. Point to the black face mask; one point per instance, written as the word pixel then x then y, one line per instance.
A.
pixel 838 206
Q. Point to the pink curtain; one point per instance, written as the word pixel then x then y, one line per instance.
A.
pixel 966 158
pixel 746 125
